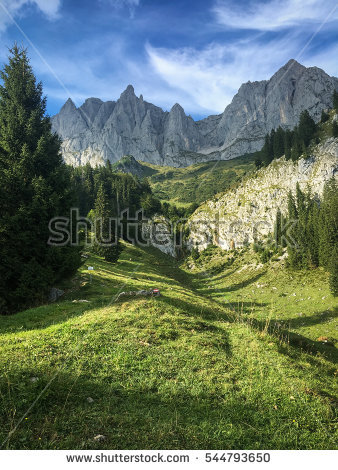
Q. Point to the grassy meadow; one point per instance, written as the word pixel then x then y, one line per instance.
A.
pixel 198 182
pixel 198 367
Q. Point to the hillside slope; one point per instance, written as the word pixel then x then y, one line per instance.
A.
pixel 248 212
pixel 178 371
pixel 196 183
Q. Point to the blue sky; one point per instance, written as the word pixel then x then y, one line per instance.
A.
pixel 193 52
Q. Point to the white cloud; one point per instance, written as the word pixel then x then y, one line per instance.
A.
pixel 49 7
pixel 118 4
pixel 274 14
pixel 210 77
pixel 9 9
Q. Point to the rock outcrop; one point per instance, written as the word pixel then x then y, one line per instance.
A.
pixel 248 213
pixel 98 131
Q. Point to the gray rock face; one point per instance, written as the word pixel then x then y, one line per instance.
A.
pixel 248 213
pixel 99 131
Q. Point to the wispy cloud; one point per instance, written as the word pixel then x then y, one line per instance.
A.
pixel 274 14
pixel 97 51
pixel 12 8
pixel 210 77
pixel 118 4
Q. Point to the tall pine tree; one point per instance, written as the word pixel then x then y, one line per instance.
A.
pixel 106 243
pixel 34 187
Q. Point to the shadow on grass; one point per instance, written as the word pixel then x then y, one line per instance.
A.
pixel 148 417
pixel 315 319
pixel 234 287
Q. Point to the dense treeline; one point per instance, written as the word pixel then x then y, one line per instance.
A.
pixel 103 195
pixel 123 190
pixel 294 143
pixel 312 240
pixel 35 186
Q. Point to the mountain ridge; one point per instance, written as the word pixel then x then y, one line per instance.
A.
pixel 98 131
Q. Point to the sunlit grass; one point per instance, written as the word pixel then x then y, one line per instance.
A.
pixel 177 371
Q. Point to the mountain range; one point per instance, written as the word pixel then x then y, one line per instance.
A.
pixel 98 131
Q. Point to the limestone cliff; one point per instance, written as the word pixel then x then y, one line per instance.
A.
pixel 248 213
pixel 99 131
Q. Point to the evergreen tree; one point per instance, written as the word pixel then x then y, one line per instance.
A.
pixel 267 151
pixel 333 269
pixel 278 229
pixel 335 129
pixel 288 143
pixel 306 127
pixel 296 150
pixel 106 243
pixel 278 143
pixel 328 223
pixel 34 188
pixel 324 117
pixel 335 100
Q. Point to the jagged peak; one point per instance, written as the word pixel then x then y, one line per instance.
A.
pixel 293 63
pixel 292 67
pixel 129 91
pixel 69 104
pixel 177 108
pixel 92 100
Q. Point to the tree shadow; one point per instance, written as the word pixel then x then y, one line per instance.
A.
pixel 315 319
pixel 144 417
pixel 237 286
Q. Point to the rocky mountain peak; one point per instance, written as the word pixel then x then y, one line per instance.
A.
pixel 129 91
pixel 69 106
pixel 99 131
pixel 177 109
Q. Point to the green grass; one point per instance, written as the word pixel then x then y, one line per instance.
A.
pixel 180 371
pixel 198 182
pixel 299 301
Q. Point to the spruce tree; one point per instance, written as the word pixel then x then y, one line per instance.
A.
pixel 333 270
pixel 296 150
pixel 335 129
pixel 335 100
pixel 106 243
pixel 267 151
pixel 324 117
pixel 34 187
pixel 278 229
pixel 278 143
pixel 306 127
pixel 328 234
pixel 288 143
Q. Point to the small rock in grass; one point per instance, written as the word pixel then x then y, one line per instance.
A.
pixel 100 438
pixel 34 379
pixel 90 400
pixel 292 397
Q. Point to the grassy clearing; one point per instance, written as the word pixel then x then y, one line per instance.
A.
pixel 300 301
pixel 196 183
pixel 178 371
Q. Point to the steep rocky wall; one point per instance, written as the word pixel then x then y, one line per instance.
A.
pixel 248 212
pixel 98 131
